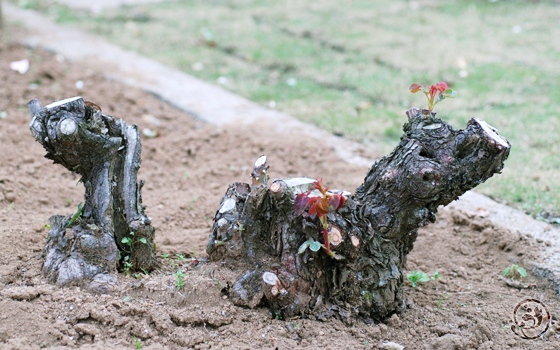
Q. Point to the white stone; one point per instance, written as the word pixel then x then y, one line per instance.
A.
pixel 20 66
pixel 392 346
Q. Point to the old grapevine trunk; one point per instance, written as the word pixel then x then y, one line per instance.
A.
pixel 112 224
pixel 257 230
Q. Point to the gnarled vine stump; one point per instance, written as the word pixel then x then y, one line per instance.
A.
pixel 257 230
pixel 112 224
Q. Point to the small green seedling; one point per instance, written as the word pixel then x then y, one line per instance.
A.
pixel 417 277
pixel 137 342
pixel 179 282
pixel 435 276
pixel 514 271
pixel 165 256
pixel 130 243
pixel 442 298
pixel 76 215
pixel 127 265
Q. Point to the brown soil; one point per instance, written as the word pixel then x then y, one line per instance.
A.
pixel 187 169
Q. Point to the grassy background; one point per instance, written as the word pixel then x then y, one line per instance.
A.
pixel 346 67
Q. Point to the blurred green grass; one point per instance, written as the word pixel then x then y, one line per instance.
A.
pixel 346 67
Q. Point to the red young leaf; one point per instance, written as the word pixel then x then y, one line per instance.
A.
pixel 441 87
pixel 433 92
pixel 334 202
pixel 313 211
pixel 318 185
pixel 313 203
pixel 414 88
pixel 342 201
pixel 322 207
pixel 301 202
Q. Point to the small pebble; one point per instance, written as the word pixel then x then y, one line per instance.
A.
pixel 11 197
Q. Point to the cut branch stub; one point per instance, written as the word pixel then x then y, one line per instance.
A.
pixel 259 176
pixel 370 235
pixel 106 153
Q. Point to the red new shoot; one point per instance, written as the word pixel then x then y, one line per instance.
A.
pixel 318 206
pixel 434 93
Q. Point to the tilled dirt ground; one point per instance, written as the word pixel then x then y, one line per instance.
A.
pixel 187 169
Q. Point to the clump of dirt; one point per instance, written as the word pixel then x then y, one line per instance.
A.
pixel 185 303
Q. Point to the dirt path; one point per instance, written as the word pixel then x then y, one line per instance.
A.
pixel 187 169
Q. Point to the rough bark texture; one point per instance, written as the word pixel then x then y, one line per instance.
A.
pixel 257 231
pixel 106 153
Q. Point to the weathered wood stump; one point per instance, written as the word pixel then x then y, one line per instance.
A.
pixel 257 231
pixel 112 228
